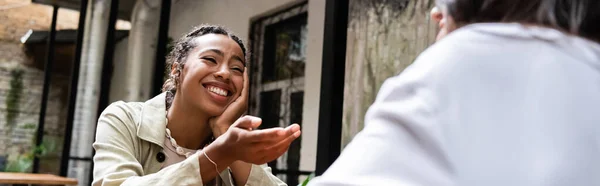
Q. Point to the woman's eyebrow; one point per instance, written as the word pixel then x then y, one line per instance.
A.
pixel 236 57
pixel 217 51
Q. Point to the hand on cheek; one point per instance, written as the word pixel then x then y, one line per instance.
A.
pixel 234 111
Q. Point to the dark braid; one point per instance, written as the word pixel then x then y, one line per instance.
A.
pixel 181 50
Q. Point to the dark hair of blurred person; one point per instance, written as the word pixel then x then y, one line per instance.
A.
pixel 577 17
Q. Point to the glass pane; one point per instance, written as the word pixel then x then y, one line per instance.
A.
pixel 293 158
pixel 269 108
pixel 285 49
pixel 269 112
pixel 384 37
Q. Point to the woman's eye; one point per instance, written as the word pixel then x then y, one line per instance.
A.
pixel 238 69
pixel 210 59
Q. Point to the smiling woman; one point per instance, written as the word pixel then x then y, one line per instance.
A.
pixel 193 133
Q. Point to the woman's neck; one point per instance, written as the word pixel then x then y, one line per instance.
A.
pixel 188 126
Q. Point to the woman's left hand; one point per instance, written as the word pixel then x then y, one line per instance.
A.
pixel 234 111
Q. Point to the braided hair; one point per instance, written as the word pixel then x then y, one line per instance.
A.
pixel 181 50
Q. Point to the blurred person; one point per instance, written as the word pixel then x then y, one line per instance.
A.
pixel 509 95
pixel 168 140
pixel 438 17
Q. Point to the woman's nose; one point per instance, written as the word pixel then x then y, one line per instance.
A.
pixel 223 72
pixel 436 14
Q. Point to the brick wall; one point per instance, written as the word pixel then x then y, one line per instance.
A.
pixel 19 139
pixel 16 18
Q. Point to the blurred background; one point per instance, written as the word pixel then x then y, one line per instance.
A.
pixel 63 61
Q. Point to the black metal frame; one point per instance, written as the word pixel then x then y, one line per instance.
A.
pixel 161 47
pixel 64 160
pixel 332 84
pixel 46 89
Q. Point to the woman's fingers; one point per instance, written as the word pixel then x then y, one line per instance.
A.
pixel 261 146
pixel 259 136
pixel 283 145
pixel 273 135
pixel 236 108
pixel 246 86
pixel 293 128
pixel 241 103
pixel 274 151
pixel 248 122
pixel 278 146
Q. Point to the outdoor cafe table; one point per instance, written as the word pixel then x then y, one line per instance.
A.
pixel 29 179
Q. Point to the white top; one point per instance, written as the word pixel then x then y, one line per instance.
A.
pixel 490 104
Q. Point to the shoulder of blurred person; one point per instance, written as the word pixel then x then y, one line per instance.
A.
pixel 418 130
pixel 476 49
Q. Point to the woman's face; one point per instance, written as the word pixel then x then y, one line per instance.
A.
pixel 212 76
pixel 445 22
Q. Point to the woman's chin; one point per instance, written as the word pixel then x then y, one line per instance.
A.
pixel 212 110
pixel 215 112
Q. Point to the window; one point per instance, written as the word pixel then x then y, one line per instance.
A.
pixel 278 43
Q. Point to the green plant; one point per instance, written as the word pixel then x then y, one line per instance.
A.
pixel 13 97
pixel 24 162
pixel 305 182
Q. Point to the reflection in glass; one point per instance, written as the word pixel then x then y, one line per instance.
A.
pixel 285 50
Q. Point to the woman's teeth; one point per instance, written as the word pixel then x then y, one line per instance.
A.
pixel 218 91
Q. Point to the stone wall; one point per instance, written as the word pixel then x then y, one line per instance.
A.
pixel 384 37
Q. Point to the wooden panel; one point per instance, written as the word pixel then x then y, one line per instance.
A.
pixel 27 178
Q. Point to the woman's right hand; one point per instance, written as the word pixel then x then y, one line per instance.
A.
pixel 255 146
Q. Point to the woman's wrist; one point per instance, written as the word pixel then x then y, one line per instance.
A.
pixel 218 131
pixel 218 155
pixel 217 128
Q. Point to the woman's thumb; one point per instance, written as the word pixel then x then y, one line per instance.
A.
pixel 248 122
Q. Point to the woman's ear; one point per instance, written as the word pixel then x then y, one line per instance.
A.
pixel 175 74
pixel 174 68
pixel 175 71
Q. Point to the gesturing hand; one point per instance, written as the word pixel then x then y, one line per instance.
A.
pixel 255 146
pixel 234 110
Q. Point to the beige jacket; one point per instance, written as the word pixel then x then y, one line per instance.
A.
pixel 129 139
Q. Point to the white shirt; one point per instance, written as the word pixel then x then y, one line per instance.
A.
pixel 490 104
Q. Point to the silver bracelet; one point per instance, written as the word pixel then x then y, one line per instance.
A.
pixel 213 162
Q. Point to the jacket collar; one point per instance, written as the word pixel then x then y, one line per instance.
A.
pixel 152 123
